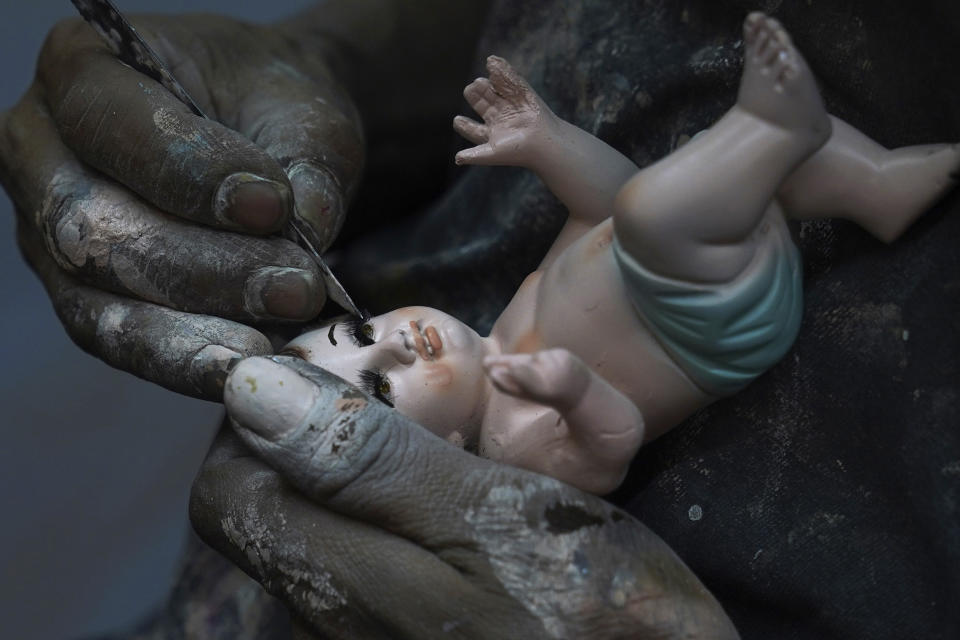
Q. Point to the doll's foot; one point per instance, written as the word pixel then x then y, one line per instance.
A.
pixel 907 182
pixel 777 85
pixel 515 119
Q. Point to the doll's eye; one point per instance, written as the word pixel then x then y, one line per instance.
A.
pixel 376 384
pixel 361 331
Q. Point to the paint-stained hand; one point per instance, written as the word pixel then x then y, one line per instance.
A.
pixel 368 526
pixel 120 188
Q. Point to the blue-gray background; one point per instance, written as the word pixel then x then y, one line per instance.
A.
pixel 95 465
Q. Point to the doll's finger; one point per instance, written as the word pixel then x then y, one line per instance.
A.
pixel 471 129
pixel 99 231
pixel 504 78
pixel 506 359
pixel 346 578
pixel 313 131
pixel 187 353
pixel 132 129
pixel 503 380
pixel 479 95
pixel 527 377
pixel 483 154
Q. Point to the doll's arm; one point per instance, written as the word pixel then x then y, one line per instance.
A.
pixel 603 428
pixel 519 129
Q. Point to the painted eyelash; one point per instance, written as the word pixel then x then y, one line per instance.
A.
pixel 356 329
pixel 376 384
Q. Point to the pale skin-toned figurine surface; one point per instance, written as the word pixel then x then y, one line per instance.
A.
pixel 667 288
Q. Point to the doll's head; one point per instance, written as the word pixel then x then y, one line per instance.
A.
pixel 425 363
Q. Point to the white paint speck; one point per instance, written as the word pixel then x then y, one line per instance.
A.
pixel 951 468
pixel 905 335
pixel 695 512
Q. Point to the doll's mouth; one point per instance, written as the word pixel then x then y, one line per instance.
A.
pixel 427 342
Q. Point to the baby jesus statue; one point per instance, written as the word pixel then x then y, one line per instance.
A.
pixel 667 288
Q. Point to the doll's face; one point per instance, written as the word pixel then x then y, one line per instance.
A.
pixel 427 364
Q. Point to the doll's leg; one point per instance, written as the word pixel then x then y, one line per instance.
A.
pixel 880 189
pixel 693 214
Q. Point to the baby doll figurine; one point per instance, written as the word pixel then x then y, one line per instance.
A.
pixel 667 288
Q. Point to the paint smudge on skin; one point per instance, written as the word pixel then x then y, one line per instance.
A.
pixel 624 584
pixel 278 556
pixel 88 221
pixel 566 518
pixel 350 405
pixel 110 326
pixel 559 557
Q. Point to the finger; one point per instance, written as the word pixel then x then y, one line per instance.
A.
pixel 476 94
pixel 527 377
pixel 189 354
pixel 504 79
pixel 132 129
pixel 471 129
pixel 508 359
pixel 483 154
pixel 503 380
pixel 346 578
pixel 503 371
pixel 312 131
pixel 100 232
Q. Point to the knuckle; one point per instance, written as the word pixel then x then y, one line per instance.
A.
pixel 62 217
pixel 82 224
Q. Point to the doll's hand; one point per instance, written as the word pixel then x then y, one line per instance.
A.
pixel 368 526
pixel 515 119
pixel 554 377
pixel 142 218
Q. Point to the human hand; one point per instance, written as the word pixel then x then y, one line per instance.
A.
pixel 144 221
pixel 515 119
pixel 553 377
pixel 368 526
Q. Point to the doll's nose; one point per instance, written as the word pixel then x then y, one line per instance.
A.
pixel 394 348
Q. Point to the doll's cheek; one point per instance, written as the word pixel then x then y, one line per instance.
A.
pixel 436 375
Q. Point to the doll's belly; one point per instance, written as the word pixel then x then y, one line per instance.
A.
pixel 582 305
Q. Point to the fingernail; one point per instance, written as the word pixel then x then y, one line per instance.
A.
pixel 209 367
pixel 267 398
pixel 319 201
pixel 254 203
pixel 282 293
